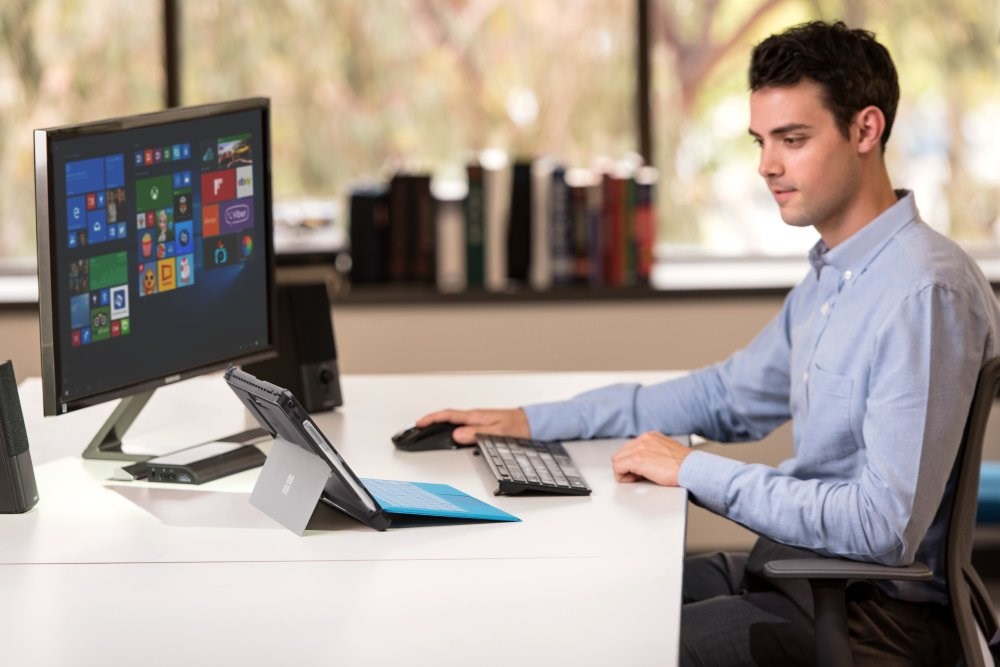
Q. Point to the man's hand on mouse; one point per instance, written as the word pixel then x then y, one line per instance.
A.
pixel 510 421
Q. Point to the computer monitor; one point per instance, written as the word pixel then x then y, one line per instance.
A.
pixel 155 255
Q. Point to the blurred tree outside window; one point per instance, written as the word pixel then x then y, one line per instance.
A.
pixel 64 62
pixel 360 88
pixel 943 145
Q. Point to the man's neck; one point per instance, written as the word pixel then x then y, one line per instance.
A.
pixel 873 198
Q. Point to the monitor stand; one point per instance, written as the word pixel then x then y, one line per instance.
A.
pixel 107 444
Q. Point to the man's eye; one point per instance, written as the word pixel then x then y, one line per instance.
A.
pixel 794 141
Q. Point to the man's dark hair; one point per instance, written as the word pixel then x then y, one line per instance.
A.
pixel 853 70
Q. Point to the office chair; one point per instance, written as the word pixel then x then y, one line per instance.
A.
pixel 970 602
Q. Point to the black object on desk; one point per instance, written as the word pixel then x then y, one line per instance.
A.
pixel 422 439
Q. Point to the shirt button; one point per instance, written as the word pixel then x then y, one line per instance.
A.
pixel 848 275
pixel 825 309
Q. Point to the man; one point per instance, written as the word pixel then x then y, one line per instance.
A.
pixel 874 358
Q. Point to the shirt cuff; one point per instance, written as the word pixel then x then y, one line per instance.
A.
pixel 549 421
pixel 707 477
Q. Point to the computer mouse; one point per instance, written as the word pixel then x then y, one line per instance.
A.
pixel 435 436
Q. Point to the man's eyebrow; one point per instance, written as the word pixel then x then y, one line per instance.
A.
pixel 783 129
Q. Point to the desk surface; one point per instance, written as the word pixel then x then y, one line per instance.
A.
pixel 101 565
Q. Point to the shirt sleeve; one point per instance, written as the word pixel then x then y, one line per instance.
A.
pixel 743 398
pixel 925 362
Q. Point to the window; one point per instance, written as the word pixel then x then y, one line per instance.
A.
pixel 360 88
pixel 943 144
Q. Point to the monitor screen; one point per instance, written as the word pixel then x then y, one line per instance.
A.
pixel 155 259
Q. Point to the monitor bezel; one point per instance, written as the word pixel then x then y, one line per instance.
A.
pixel 52 403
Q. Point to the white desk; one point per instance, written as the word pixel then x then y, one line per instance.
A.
pixel 110 573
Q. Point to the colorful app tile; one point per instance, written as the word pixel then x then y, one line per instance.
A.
pixel 71 242
pixel 76 213
pixel 108 270
pixel 154 193
pixel 79 311
pixel 218 186
pixel 100 323
pixel 157 155
pixel 182 205
pixel 121 230
pixel 164 225
pixel 85 336
pixel 75 338
pixel 244 181
pixel 96 226
pixel 84 176
pixel 185 151
pixel 210 220
pixel 185 270
pixel 114 171
pixel 119 302
pixel 184 237
pixel 234 151
pixel 147 279
pixel 91 199
pixel 186 179
pixel 167 153
pixel 104 297
pixel 115 205
pixel 148 156
pixel 235 216
pixel 79 276
pixel 246 246
pixel 219 251
pixel 138 158
pixel 112 232
pixel 126 326
pixel 116 329
pixel 166 274
pixel 178 180
pixel 145 245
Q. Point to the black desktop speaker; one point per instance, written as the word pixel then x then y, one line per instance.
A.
pixel 18 492
pixel 307 355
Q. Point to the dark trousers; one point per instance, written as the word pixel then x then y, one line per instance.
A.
pixel 734 615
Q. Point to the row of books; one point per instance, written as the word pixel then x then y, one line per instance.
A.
pixel 528 224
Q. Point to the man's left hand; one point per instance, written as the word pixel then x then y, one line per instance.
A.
pixel 651 456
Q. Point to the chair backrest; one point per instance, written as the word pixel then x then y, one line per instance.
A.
pixel 969 600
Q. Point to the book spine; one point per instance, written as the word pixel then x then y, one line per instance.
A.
pixel 450 246
pixel 519 224
pixel 423 231
pixel 627 248
pixel 645 223
pixel 581 232
pixel 560 239
pixel 497 182
pixel 368 226
pixel 541 224
pixel 595 227
pixel 397 266
pixel 475 210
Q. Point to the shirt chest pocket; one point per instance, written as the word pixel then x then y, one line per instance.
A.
pixel 827 434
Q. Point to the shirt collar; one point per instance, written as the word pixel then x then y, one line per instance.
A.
pixel 858 250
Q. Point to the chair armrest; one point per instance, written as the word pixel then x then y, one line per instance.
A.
pixel 834 568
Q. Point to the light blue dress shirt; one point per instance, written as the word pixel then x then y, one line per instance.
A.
pixel 874 358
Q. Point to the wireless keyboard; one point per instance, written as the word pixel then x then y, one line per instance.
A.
pixel 521 465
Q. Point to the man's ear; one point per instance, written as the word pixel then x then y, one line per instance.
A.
pixel 870 122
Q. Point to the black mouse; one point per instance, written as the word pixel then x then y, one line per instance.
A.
pixel 435 436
